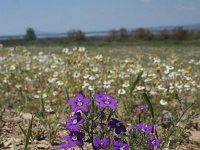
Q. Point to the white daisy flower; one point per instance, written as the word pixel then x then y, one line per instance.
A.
pixel 81 49
pixel 76 74
pixel 60 83
pixel 91 88
pixel 163 102
pixel 121 91
pixel 92 78
pixel 65 50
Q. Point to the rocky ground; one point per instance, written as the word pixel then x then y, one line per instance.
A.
pixel 10 133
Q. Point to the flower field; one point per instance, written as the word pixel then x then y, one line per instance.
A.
pixel 111 98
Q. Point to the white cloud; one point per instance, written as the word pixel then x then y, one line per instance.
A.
pixel 188 7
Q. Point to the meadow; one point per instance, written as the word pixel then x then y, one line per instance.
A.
pixel 37 82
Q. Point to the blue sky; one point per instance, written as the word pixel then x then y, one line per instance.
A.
pixel 52 16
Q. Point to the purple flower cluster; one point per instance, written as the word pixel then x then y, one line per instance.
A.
pixel 74 122
pixel 120 145
pixel 117 125
pixel 83 123
pixel 142 107
pixel 145 128
pixel 152 141
pixel 105 100
pixel 80 102
pixel 103 143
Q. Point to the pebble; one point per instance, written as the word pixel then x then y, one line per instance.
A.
pixel 195 136
pixel 26 116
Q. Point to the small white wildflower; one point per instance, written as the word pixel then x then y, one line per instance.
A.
pixel 187 78
pixel 193 89
pixel 91 88
pixel 85 84
pixel 81 49
pixel 156 60
pixel 65 50
pixel 191 61
pixel 27 79
pixel 5 81
pixel 37 96
pixel 95 69
pixel 39 92
pixel 147 80
pixel 163 102
pixel 99 57
pixel 12 67
pixel 44 95
pixel 48 109
pixel 53 66
pixel 96 75
pixel 40 53
pixel 76 74
pixel 121 91
pixel 106 82
pixel 18 86
pixel 55 74
pixel 46 69
pixel 106 86
pixel 197 63
pixel 86 76
pixel 126 84
pixel 92 78
pixel 51 80
pixel 60 83
pixel 187 86
pixel 139 88
pixel 153 92
pixel 55 93
pixel 121 76
pixel 74 48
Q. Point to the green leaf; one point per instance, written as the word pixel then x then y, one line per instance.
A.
pixel 14 145
pixel 42 109
pixel 24 132
pixel 136 82
pixel 147 100
pixel 28 135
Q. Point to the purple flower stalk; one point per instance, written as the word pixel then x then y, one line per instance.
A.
pixel 74 122
pixel 119 144
pixel 101 143
pixel 74 139
pixel 117 125
pixel 80 102
pixel 105 100
pixel 145 128
pixel 142 107
pixel 152 141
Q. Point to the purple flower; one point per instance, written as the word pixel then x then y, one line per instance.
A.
pixel 79 102
pixel 74 122
pixel 119 144
pixel 145 128
pixel 74 139
pixel 63 146
pixel 117 125
pixel 101 143
pixel 105 100
pixel 152 141
pixel 142 107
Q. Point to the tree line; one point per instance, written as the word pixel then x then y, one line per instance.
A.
pixel 123 34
